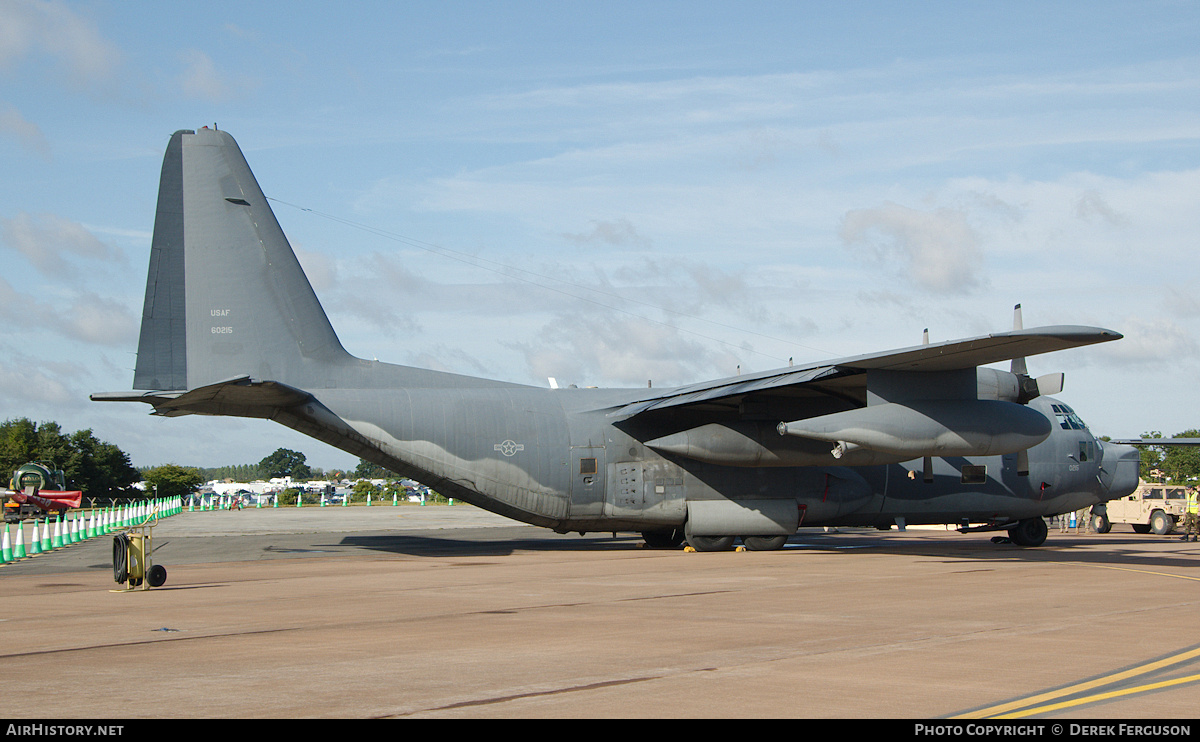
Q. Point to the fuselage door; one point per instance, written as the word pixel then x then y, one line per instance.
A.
pixel 587 478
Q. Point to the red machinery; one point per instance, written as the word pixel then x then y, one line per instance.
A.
pixel 36 490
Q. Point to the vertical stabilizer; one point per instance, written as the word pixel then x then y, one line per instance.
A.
pixel 225 295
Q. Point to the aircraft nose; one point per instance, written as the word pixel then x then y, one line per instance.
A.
pixel 1119 470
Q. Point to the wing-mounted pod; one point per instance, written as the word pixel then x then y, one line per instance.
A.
pixel 746 444
pixel 903 431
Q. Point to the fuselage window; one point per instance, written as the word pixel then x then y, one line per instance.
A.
pixel 972 474
pixel 587 466
pixel 1067 419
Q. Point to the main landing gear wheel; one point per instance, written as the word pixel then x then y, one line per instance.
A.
pixel 706 543
pixel 1100 523
pixel 710 543
pixel 1029 532
pixel 764 543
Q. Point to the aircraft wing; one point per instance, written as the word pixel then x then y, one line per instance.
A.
pixel 844 374
pixel 1157 441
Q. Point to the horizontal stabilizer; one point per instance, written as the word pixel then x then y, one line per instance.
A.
pixel 245 397
pixel 240 396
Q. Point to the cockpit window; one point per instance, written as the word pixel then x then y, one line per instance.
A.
pixel 1067 419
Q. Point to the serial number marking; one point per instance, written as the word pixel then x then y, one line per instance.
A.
pixel 222 330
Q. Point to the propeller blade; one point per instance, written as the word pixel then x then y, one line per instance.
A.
pixel 1050 383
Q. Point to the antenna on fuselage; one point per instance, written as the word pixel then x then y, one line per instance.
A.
pixel 1018 364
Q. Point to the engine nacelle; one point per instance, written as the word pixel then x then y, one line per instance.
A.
pixel 1009 387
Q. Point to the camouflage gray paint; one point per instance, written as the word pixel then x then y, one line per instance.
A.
pixel 231 326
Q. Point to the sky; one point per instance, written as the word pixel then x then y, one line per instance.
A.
pixel 614 194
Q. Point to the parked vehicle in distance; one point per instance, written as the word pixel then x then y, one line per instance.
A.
pixel 1152 508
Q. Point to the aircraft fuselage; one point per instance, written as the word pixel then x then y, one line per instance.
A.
pixel 553 457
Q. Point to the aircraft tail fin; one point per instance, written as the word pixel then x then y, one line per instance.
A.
pixel 225 295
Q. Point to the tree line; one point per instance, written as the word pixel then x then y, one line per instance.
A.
pixel 1170 464
pixel 104 473
pixel 171 479
pixel 100 469
pixel 285 462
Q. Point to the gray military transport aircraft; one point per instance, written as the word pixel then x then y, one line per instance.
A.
pixel 919 435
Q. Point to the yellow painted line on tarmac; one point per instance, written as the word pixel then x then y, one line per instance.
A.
pixel 1146 572
pixel 1100 697
pixel 1014 709
pixel 1031 705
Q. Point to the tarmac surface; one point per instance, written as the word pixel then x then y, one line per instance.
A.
pixel 419 612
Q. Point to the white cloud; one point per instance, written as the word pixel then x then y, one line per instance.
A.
pixel 1091 205
pixel 611 232
pixel 23 382
pixel 36 28
pixel 601 349
pixel 27 133
pixel 32 382
pixel 938 250
pixel 1154 341
pixel 51 243
pixel 200 78
pixel 87 317
pixel 52 38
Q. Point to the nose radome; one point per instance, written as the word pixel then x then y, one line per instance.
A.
pixel 1119 470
